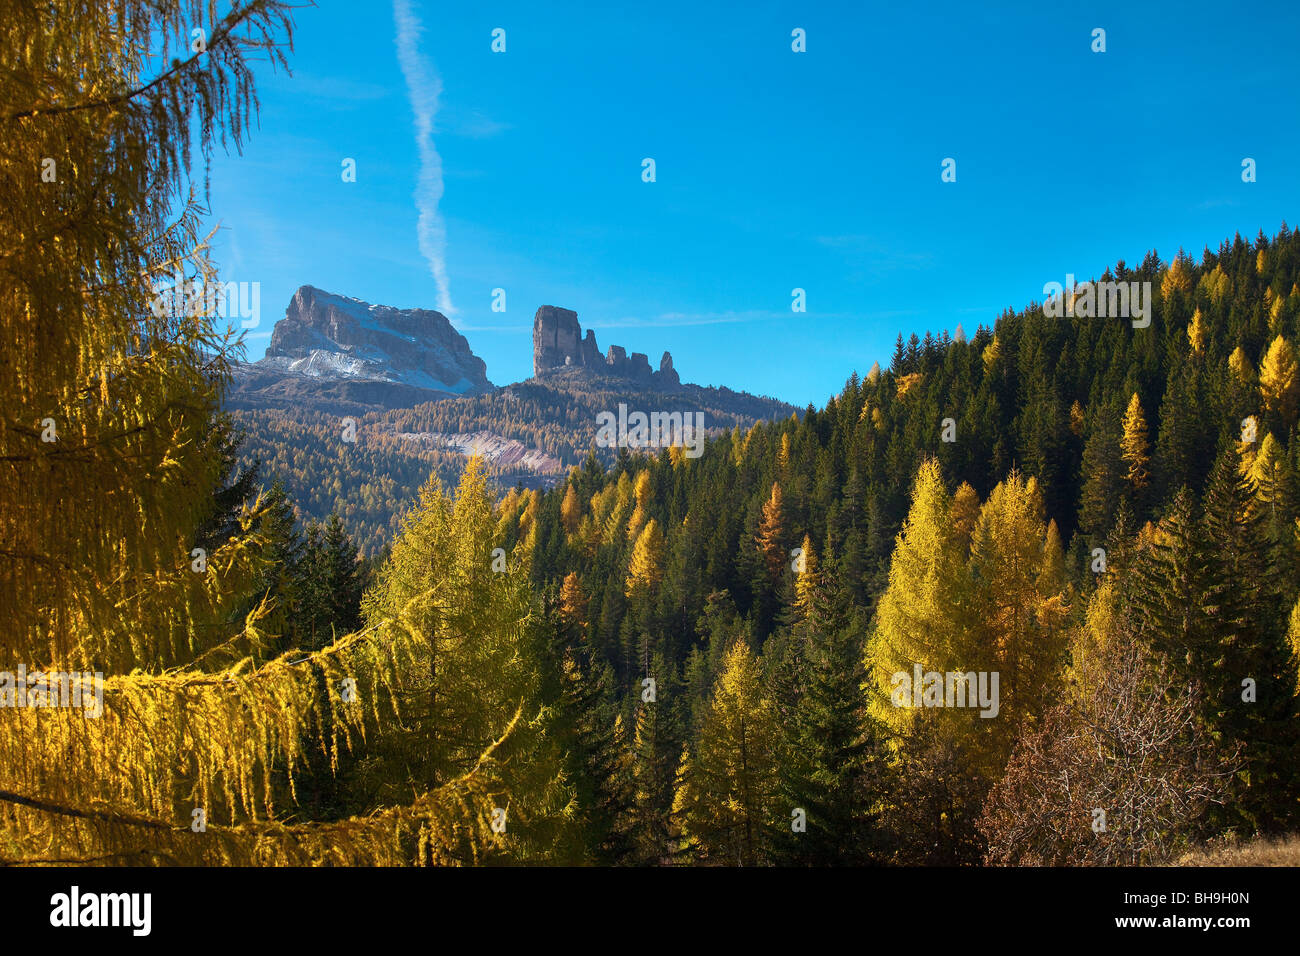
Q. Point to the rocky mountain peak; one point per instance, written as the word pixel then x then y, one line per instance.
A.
pixel 335 337
pixel 558 342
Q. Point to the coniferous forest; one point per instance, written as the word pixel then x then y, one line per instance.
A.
pixel 1029 595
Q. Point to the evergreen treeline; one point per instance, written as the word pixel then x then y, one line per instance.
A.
pixel 366 482
pixel 314 577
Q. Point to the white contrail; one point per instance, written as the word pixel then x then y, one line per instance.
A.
pixel 424 86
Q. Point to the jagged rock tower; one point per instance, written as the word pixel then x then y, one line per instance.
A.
pixel 558 343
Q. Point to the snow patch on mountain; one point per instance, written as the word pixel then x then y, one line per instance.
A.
pixel 334 338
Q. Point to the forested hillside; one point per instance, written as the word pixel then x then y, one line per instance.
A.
pixel 365 482
pixel 370 479
pixel 1112 528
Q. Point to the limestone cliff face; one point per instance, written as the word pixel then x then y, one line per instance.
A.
pixel 334 337
pixel 590 351
pixel 556 335
pixel 558 342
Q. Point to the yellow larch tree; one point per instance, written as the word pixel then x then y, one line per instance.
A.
pixel 992 352
pixel 965 513
pixel 770 537
pixel 646 566
pixel 1197 333
pixel 573 601
pixel 107 401
pixel 726 802
pixel 1239 365
pixel 805 581
pixel 1268 474
pixel 617 509
pixel 1293 637
pixel 1135 445
pixel 641 492
pixel 1017 573
pixel 995 605
pixel 920 617
pixel 571 511
pixel 1279 381
pixel 1178 277
pixel 468 634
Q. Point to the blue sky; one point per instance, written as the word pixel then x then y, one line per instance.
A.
pixel 775 169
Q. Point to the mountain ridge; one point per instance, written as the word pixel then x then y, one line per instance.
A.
pixel 344 356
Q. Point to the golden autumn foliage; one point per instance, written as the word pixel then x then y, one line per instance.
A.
pixel 1267 474
pixel 1279 380
pixel 1177 278
pixel 916 619
pixel 964 512
pixel 805 581
pixel 641 492
pixel 112 407
pixel 726 798
pixel 571 510
pixel 1216 284
pixel 1277 314
pixel 646 566
pixel 1017 565
pixel 995 604
pixel 1293 638
pixel 1197 332
pixel 770 537
pixel 1239 365
pixel 1088 642
pixel 1135 446
pixel 906 383
pixel 573 601
pixel 992 352
pixel 465 631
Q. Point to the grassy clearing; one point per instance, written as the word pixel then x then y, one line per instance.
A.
pixel 1257 852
